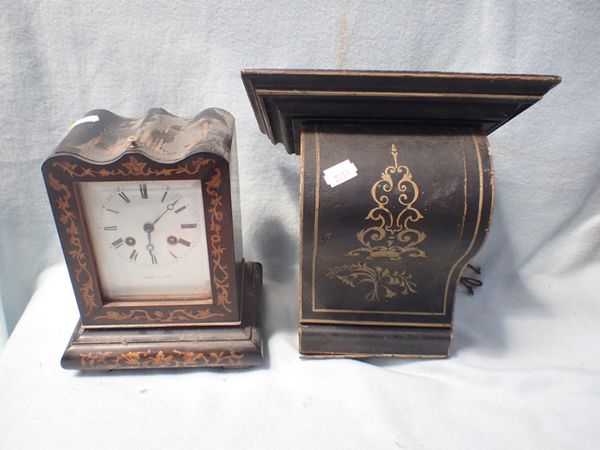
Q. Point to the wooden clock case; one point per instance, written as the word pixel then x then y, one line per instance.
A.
pixel 382 252
pixel 151 334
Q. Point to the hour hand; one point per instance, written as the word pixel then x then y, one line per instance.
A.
pixel 149 228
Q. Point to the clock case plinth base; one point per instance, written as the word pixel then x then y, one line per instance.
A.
pixel 234 347
pixel 340 341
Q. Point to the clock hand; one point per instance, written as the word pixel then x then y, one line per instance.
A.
pixel 170 207
pixel 149 228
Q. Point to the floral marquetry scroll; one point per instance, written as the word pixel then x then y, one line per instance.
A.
pixel 158 360
pixel 141 315
pixel 63 175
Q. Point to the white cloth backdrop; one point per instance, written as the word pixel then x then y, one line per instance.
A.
pixel 525 371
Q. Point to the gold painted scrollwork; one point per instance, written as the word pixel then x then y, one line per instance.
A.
pixel 393 236
pixel 382 281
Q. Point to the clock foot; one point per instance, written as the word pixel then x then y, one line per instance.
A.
pixel 234 347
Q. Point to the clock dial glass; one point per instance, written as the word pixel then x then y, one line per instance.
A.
pixel 149 239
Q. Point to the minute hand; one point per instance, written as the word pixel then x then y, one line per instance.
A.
pixel 170 207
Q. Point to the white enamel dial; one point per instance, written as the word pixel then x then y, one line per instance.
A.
pixel 149 239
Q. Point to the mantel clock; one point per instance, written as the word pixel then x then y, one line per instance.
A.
pixel 147 215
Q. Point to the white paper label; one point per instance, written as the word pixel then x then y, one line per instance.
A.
pixel 85 120
pixel 340 173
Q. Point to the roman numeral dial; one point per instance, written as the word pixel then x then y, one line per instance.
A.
pixel 152 224
pixel 149 239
